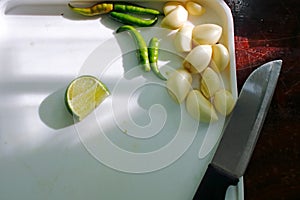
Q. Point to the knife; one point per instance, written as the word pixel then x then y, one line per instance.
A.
pixel 241 133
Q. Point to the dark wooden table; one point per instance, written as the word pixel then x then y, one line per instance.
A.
pixel 266 30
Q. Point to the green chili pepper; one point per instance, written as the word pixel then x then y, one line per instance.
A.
pixel 132 8
pixel 106 7
pixel 153 50
pixel 142 46
pixel 96 9
pixel 132 20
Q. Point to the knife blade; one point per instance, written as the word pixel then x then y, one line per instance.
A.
pixel 241 133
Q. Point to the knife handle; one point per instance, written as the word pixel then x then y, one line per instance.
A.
pixel 214 184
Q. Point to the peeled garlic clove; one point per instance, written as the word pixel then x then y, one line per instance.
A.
pixel 198 58
pixel 220 56
pixel 200 108
pixel 176 18
pixel 169 6
pixel 207 33
pixel 183 38
pixel 210 82
pixel 224 102
pixel 179 84
pixel 194 8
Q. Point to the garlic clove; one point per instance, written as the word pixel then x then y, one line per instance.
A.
pixel 224 102
pixel 183 38
pixel 210 82
pixel 179 84
pixel 207 33
pixel 200 108
pixel 220 57
pixel 175 18
pixel 170 5
pixel 198 58
pixel 194 8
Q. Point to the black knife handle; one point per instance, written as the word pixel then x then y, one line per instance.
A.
pixel 214 184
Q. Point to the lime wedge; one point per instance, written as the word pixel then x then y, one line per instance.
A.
pixel 84 94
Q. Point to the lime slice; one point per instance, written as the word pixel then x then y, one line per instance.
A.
pixel 84 94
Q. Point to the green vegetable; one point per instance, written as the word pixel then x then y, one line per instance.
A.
pixel 153 50
pixel 142 46
pixel 119 11
pixel 129 19
pixel 96 9
pixel 132 8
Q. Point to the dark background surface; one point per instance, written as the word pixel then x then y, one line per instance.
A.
pixel 266 30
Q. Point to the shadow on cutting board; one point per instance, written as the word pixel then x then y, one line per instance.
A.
pixel 53 111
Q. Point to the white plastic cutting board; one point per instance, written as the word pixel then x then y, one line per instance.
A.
pixel 138 144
